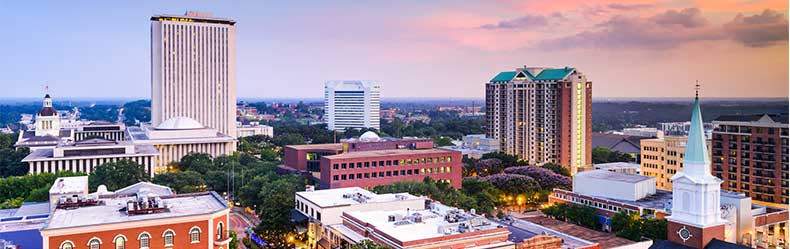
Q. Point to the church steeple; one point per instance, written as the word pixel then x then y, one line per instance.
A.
pixel 696 160
pixel 696 205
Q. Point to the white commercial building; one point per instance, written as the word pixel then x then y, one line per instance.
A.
pixel 179 136
pixel 325 207
pixel 352 104
pixel 252 129
pixel 193 70
pixel 85 155
pixel 616 185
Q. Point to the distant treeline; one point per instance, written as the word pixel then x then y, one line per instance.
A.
pixel 618 115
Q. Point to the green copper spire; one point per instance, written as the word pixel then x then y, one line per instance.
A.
pixel 696 148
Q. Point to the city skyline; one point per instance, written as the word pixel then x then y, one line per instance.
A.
pixel 454 47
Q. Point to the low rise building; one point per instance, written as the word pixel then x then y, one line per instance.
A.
pixel 369 161
pixel 368 169
pixel 253 129
pixel 643 132
pixel 475 146
pixel 325 207
pixel 436 226
pixel 85 155
pixel 179 136
pixel 746 223
pixel 620 167
pixel 628 187
pixel 621 143
pixel 19 226
pixel 143 219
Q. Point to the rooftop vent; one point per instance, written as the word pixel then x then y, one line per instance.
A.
pixel 145 202
pixel 76 201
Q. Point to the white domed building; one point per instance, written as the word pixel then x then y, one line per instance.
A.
pixel 178 136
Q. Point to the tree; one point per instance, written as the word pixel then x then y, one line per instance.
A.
pixel 234 240
pixel 10 158
pixel 631 226
pixel 548 179
pixel 368 244
pixel 444 141
pixel 507 160
pixel 182 182
pixel 577 214
pixel 556 168
pixel 276 202
pixel 198 162
pixel 15 189
pixel 116 175
pixel 484 167
pixel 39 195
pixel 605 155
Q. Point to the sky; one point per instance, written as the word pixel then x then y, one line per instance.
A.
pixel 287 49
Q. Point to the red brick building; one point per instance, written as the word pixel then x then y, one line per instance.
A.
pixel 308 156
pixel 369 161
pixel 368 169
pixel 142 220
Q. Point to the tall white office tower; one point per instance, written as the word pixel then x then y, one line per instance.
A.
pixel 351 104
pixel 193 70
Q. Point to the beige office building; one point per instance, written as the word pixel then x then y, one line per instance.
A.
pixel 193 70
pixel 662 158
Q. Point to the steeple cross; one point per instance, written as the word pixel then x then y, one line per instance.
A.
pixel 696 88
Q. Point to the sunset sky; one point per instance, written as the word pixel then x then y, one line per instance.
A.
pixel 414 48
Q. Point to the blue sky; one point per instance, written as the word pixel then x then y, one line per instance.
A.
pixel 415 48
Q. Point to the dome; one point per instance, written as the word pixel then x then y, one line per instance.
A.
pixel 179 123
pixel 369 136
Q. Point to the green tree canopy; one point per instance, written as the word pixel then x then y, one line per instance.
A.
pixel 605 155
pixel 182 182
pixel 117 175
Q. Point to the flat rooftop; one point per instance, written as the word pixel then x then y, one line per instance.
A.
pixel 612 176
pixel 335 197
pixel 48 153
pixel 617 165
pixel 385 153
pixel 109 212
pixel 432 220
pixel 523 229
pixel 316 146
pixel 71 184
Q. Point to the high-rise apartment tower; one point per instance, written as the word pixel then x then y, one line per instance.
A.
pixel 542 115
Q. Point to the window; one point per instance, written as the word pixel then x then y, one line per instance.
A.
pixel 169 237
pixel 194 234
pixel 220 231
pixel 120 242
pixel 144 239
pixel 94 243
pixel 66 245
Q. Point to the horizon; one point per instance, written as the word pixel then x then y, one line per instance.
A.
pixel 435 49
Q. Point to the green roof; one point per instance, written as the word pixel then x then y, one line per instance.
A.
pixel 554 74
pixel 696 148
pixel 504 76
pixel 546 74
